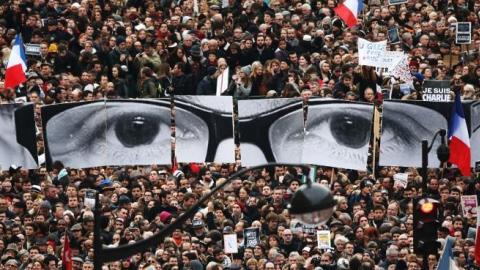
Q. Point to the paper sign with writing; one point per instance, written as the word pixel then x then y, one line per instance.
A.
pixel 371 53
pixel 436 91
pixel 324 239
pixel 397 2
pixel 251 237
pixel 230 243
pixel 463 33
pixel 469 205
pixel 32 49
pixel 401 179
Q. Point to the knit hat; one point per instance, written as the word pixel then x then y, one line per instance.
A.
pixel 247 70
pixel 164 216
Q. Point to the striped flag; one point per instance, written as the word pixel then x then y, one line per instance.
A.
pixel 348 11
pixel 446 260
pixel 459 139
pixel 17 65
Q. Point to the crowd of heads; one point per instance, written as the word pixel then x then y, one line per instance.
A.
pixel 91 50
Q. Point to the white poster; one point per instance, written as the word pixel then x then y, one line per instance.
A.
pixel 230 243
pixel 324 239
pixel 401 180
pixel 371 53
pixel 222 82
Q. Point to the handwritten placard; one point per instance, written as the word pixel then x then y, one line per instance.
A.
pixel 371 53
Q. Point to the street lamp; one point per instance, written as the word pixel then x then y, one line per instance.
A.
pixel 443 153
pixel 312 203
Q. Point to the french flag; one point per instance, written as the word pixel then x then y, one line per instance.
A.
pixel 446 261
pixel 17 65
pixel 348 11
pixel 459 140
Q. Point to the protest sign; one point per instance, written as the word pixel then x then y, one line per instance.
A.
pixel 391 59
pixel 323 239
pixel 469 205
pixel 436 91
pixel 230 243
pixel 397 2
pixel 393 35
pixel 222 82
pixel 370 53
pixel 402 71
pixel 32 49
pixel 251 237
pixel 463 33
pixel 89 200
pixel 401 180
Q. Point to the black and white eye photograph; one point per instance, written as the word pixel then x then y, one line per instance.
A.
pixel 337 134
pixel 405 125
pixel 204 129
pixel 115 132
pixel 17 136
pixel 270 130
pixel 475 132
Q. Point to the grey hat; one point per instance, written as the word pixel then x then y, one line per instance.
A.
pixel 196 265
pixel 46 204
pixel 78 259
pixel 247 70
pixel 12 262
pixel 76 227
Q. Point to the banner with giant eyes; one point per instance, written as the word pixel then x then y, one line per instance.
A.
pixel 108 132
pixel 17 136
pixel 337 134
pixel 204 129
pixel 406 123
pixel 270 130
pixel 475 132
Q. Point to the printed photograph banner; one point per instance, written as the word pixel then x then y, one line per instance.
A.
pixel 17 136
pixel 337 134
pixel 112 132
pixel 270 130
pixel 406 123
pixel 204 129
pixel 475 132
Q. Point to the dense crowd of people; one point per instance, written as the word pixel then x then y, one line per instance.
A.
pixel 95 49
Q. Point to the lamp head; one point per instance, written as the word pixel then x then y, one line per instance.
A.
pixel 312 204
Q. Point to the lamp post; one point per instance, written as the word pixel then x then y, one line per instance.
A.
pixel 311 202
pixel 443 154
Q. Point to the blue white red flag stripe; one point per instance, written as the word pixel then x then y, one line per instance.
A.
pixel 348 11
pixel 446 260
pixel 17 65
pixel 459 139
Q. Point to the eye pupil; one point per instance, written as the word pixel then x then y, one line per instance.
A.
pixel 136 131
pixel 350 131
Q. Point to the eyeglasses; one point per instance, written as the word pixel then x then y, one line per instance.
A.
pixel 253 122
pixel 201 128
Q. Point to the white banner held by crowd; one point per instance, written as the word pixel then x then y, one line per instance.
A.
pixel 371 53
